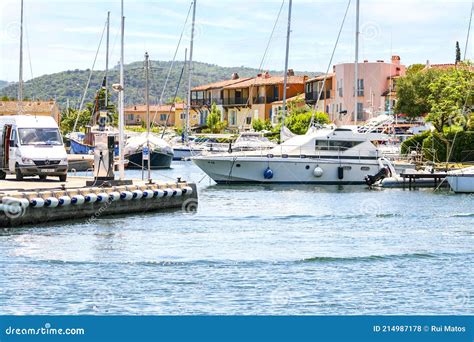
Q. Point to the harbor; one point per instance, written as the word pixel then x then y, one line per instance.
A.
pixel 189 159
pixel 376 252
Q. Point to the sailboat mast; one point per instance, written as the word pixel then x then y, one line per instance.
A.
pixel 190 73
pixel 147 101
pixel 356 64
pixel 20 78
pixel 121 101
pixel 107 61
pixel 285 76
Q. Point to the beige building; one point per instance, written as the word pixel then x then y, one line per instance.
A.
pixel 254 98
pixel 40 108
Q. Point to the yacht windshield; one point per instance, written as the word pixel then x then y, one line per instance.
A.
pixel 39 136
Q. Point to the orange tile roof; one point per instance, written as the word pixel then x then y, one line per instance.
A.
pixel 162 108
pixel 32 106
pixel 321 77
pixel 262 80
pixel 220 84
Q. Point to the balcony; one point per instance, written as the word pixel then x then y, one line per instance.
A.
pixel 312 96
pixel 235 101
pixel 264 99
pixel 205 102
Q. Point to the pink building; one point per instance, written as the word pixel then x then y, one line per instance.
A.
pixel 376 90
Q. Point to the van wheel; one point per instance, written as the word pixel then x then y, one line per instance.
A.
pixel 18 174
pixel 3 175
pixel 62 178
pixel 42 177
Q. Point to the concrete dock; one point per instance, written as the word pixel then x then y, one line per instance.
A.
pixel 36 202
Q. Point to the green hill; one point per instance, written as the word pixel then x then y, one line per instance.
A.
pixel 70 84
pixel 3 84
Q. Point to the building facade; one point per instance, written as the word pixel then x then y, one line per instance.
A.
pixel 253 99
pixel 170 115
pixel 376 90
pixel 41 108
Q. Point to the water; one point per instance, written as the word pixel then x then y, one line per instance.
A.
pixel 252 250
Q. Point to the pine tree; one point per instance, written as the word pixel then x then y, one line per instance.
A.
pixel 458 53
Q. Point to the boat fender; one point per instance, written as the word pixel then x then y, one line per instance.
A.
pixel 102 197
pixel 126 195
pixel 78 199
pixel 51 202
pixel 318 172
pixel 64 200
pixel 114 196
pixel 340 172
pixel 148 194
pixel 187 190
pixel 91 198
pixel 158 193
pixel 15 206
pixel 177 192
pixel 168 192
pixel 137 194
pixel 37 202
pixel 268 173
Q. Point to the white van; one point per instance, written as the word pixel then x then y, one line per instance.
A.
pixel 31 146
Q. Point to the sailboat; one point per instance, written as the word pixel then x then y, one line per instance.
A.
pixel 148 150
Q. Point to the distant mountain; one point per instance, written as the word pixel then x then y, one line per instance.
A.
pixel 70 84
pixel 3 84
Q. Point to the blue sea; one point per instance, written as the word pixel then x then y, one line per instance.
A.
pixel 264 249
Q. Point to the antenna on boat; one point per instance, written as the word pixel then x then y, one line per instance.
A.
pixel 107 61
pixel 147 101
pixel 356 64
pixel 20 78
pixel 121 100
pixel 190 74
pixel 285 76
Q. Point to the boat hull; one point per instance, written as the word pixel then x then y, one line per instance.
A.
pixel 286 170
pixel 158 160
pixel 80 148
pixel 461 183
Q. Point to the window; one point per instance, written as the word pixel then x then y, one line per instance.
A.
pixel 360 87
pixel 130 117
pixel 182 116
pixel 248 120
pixel 335 144
pixel 39 136
pixel 255 114
pixel 163 117
pixel 339 88
pixel 360 111
pixel 233 118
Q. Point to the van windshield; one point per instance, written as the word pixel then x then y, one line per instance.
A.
pixel 39 136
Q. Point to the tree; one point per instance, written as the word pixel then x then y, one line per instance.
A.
pixel 5 98
pixel 299 121
pixel 214 123
pixel 448 96
pixel 458 53
pixel 413 91
pixel 68 119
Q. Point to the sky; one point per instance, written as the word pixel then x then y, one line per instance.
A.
pixel 65 34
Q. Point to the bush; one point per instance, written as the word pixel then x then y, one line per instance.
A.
pixel 414 143
pixel 460 144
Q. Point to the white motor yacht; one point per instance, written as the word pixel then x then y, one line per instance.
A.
pixel 325 156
